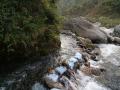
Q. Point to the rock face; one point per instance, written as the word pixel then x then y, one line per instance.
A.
pixel 85 29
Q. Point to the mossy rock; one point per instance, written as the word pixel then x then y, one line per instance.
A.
pixel 86 42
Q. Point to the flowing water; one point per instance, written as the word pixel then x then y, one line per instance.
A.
pixel 109 59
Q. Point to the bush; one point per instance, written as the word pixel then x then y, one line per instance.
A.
pixel 28 27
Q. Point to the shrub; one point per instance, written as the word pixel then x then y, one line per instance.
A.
pixel 28 27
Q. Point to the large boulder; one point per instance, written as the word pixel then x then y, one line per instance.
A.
pixel 85 29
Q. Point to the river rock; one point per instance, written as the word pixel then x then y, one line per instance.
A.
pixel 61 69
pixel 117 40
pixel 96 51
pixel 85 42
pixel 92 70
pixel 68 84
pixel 116 31
pixel 85 29
pixel 78 56
pixel 51 81
pixel 85 56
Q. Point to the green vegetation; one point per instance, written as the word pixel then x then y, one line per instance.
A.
pixel 105 21
pixel 28 28
pixel 105 11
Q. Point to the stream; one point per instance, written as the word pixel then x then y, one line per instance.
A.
pixel 109 59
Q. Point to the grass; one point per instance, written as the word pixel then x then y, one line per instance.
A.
pixel 105 21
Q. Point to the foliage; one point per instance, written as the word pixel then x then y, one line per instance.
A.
pixel 28 27
pixel 105 21
pixel 105 11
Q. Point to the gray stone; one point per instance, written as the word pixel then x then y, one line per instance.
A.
pixel 116 31
pixel 85 29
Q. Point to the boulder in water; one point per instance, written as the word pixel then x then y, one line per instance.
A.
pixel 61 69
pixel 51 80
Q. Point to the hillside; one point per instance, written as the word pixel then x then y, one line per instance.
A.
pixel 105 11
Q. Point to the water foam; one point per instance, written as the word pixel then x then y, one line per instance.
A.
pixel 107 49
pixel 89 83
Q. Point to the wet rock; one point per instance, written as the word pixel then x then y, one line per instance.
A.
pixel 51 83
pixel 71 62
pixel 117 40
pixel 68 84
pixel 64 63
pixel 53 77
pixel 85 29
pixel 84 42
pixel 61 69
pixel 73 59
pixel 78 56
pixel 110 39
pixel 91 70
pixel 50 70
pixel 96 51
pixel 93 57
pixel 69 73
pixel 96 71
pixel 77 66
pixel 116 31
pixel 85 56
pixel 86 70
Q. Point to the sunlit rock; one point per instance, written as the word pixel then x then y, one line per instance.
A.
pixel 71 64
pixel 53 77
pixel 73 59
pixel 78 55
pixel 61 69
